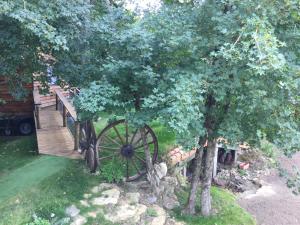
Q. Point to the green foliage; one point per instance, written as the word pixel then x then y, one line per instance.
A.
pixel 39 221
pixel 112 172
pixel 224 69
pixel 151 212
pixel 228 212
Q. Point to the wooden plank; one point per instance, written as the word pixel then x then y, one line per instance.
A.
pixel 70 108
pixel 53 138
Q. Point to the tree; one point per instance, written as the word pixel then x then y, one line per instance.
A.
pixel 31 29
pixel 246 82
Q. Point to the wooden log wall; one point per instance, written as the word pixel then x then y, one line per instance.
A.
pixel 12 106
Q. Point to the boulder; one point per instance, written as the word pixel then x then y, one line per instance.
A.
pixel 125 213
pixel 160 219
pixel 110 196
pixel 72 211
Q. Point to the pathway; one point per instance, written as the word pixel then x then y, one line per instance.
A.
pixel 273 203
pixel 53 138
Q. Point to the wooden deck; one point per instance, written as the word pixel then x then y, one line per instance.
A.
pixel 52 137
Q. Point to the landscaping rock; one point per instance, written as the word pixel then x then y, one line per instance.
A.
pixel 173 222
pixel 170 202
pixel 110 196
pixel 151 199
pixel 125 213
pixel 86 196
pixel 161 170
pixel 72 211
pixel 63 221
pixel 133 197
pixel 84 203
pixel 160 219
pixel 79 220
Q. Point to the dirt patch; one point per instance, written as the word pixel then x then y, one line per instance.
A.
pixel 274 203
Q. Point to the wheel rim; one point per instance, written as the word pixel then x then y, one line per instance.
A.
pixel 123 144
pixel 25 128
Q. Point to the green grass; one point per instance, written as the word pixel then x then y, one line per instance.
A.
pixel 39 185
pixel 228 212
pixel 166 138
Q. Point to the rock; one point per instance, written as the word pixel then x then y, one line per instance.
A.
pixel 125 213
pixel 65 220
pixel 72 211
pixel 161 170
pixel 95 189
pixel 151 199
pixel 110 196
pixel 160 219
pixel 92 214
pixel 133 197
pixel 84 203
pixel 86 196
pixel 105 186
pixel 170 202
pixel 79 220
pixel 173 222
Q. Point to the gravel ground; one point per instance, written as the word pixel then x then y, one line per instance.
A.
pixel 274 203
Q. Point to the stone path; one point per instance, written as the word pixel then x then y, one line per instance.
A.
pixel 274 203
pixel 126 205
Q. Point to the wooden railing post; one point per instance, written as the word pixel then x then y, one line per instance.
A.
pixel 64 116
pixel 76 135
pixel 37 116
pixel 56 102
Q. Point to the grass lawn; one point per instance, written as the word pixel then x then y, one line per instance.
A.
pixel 41 185
pixel 166 138
pixel 224 202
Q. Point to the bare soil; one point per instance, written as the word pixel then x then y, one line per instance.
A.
pixel 274 203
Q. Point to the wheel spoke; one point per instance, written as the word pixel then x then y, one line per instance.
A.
pixel 134 134
pixel 136 167
pixel 139 158
pixel 118 134
pixel 112 140
pixel 109 156
pixel 126 132
pixel 127 173
pixel 141 138
pixel 141 146
pixel 108 147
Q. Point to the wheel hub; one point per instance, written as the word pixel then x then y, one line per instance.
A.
pixel 127 151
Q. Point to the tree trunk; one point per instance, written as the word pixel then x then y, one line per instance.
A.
pixel 150 168
pixel 207 177
pixel 190 208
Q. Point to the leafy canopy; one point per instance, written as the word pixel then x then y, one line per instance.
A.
pixel 219 68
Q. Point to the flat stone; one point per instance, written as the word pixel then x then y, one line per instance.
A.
pixel 72 211
pixel 105 186
pixel 95 190
pixel 170 202
pixel 84 203
pixel 110 196
pixel 86 195
pixel 151 199
pixel 65 220
pixel 173 222
pixel 161 169
pixel 79 220
pixel 125 213
pixel 160 219
pixel 133 197
pixel 92 214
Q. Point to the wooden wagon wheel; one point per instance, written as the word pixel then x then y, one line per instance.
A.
pixel 87 145
pixel 124 145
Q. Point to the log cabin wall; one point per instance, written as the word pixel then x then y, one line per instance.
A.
pixel 13 107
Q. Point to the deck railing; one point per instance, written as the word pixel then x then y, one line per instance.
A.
pixel 37 104
pixel 68 109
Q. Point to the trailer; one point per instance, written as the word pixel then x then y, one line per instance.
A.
pixel 16 116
